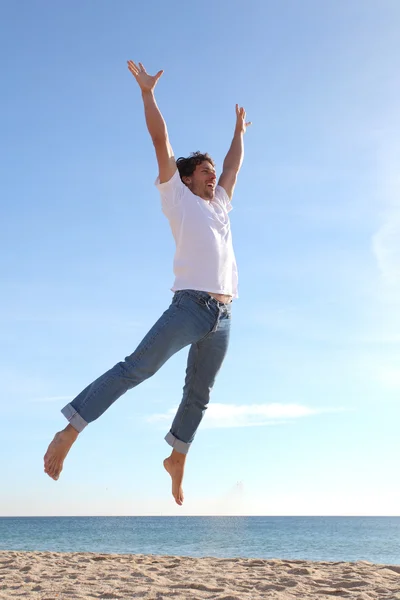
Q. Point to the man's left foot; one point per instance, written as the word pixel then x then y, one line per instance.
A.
pixel 58 450
pixel 175 466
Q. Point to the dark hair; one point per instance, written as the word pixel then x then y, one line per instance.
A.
pixel 187 166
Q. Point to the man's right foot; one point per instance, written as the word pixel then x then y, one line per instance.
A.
pixel 175 466
pixel 58 450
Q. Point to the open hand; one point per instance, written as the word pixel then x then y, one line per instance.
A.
pixel 241 124
pixel 146 82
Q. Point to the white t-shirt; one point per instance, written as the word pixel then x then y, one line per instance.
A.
pixel 204 258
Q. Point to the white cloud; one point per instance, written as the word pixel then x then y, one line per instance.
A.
pixel 389 376
pixel 386 240
pixel 384 370
pixel 52 399
pixel 247 415
pixel 386 247
pixel 385 244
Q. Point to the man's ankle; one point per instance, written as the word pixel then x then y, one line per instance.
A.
pixel 178 457
pixel 70 431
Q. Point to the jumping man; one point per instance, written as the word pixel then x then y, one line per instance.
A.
pixel 205 283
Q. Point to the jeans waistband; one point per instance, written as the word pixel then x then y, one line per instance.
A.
pixel 208 297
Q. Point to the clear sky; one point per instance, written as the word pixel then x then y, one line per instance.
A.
pixel 305 414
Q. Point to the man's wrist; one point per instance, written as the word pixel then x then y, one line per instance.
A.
pixel 147 93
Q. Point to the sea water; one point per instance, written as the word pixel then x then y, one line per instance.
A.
pixel 375 539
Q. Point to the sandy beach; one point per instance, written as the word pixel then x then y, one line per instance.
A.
pixel 59 576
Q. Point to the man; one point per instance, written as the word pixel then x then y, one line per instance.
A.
pixel 205 283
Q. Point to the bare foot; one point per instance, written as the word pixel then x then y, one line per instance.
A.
pixel 58 450
pixel 175 466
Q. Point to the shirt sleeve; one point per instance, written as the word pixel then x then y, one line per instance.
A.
pixel 222 197
pixel 171 191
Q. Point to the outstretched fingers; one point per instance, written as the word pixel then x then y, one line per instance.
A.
pixel 240 111
pixel 241 117
pixel 136 69
pixel 133 68
pixel 146 81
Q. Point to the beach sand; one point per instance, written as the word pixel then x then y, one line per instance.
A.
pixel 81 575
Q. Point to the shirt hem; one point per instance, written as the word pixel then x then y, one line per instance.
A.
pixel 208 290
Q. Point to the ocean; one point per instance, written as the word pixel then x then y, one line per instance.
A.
pixel 374 539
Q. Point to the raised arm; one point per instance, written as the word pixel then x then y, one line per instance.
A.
pixel 154 120
pixel 234 158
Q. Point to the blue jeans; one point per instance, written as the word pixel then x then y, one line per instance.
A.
pixel 194 318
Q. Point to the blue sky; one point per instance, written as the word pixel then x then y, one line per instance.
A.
pixel 305 413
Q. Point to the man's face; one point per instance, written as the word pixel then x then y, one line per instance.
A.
pixel 202 182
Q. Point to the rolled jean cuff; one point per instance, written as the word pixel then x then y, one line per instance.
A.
pixel 178 445
pixel 74 418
